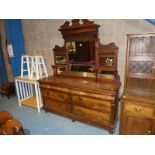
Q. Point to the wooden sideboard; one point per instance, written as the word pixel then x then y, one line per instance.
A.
pixel 138 100
pixel 85 84
pixel 86 100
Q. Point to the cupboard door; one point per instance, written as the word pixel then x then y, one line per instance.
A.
pixel 134 125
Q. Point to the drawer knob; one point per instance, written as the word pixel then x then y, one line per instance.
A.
pixel 124 96
pixel 138 109
pixel 149 131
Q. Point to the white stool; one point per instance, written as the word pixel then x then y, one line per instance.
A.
pixel 34 67
pixel 28 93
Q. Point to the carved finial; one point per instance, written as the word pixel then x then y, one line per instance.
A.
pixel 112 44
pixel 75 22
pixel 65 25
pixel 86 21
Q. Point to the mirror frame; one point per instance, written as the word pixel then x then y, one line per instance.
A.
pixel 74 31
pixel 85 30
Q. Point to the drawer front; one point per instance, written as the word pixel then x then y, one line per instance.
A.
pixel 55 105
pixel 91 115
pixel 59 96
pixel 92 103
pixel 139 110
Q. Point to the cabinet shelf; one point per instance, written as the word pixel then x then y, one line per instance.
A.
pixel 141 77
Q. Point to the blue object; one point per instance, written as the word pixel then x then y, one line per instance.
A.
pixel 15 37
pixel 3 75
pixel 152 21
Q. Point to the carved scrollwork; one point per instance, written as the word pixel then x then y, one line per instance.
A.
pixel 65 25
pixel 76 23
pixel 86 21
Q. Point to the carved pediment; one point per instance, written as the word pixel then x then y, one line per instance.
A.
pixel 59 49
pixel 74 29
pixel 111 45
pixel 75 23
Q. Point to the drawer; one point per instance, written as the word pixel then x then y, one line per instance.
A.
pixel 92 115
pixel 56 105
pixel 140 110
pixel 59 96
pixel 92 103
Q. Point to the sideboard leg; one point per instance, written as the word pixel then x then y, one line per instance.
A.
pixel 46 110
pixel 111 131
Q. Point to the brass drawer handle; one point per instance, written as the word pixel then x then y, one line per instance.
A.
pixel 99 118
pixel 80 99
pixel 101 105
pixel 79 112
pixel 62 106
pixel 61 96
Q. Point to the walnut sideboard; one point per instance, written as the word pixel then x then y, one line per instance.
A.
pixel 86 100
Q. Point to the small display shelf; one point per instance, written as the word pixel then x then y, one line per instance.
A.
pixel 61 59
pixel 106 58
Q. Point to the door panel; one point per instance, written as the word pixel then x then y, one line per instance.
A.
pixel 137 125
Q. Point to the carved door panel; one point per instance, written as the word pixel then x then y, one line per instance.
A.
pixel 134 125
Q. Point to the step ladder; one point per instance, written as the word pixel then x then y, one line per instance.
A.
pixel 33 66
pixel 26 62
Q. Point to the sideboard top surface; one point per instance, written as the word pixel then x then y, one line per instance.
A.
pixel 145 98
pixel 81 83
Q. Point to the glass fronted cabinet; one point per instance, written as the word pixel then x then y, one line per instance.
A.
pixel 141 56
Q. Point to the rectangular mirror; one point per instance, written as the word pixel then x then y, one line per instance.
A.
pixel 60 59
pixel 81 55
pixel 106 61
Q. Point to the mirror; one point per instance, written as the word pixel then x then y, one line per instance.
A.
pixel 60 59
pixel 107 61
pixel 81 55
